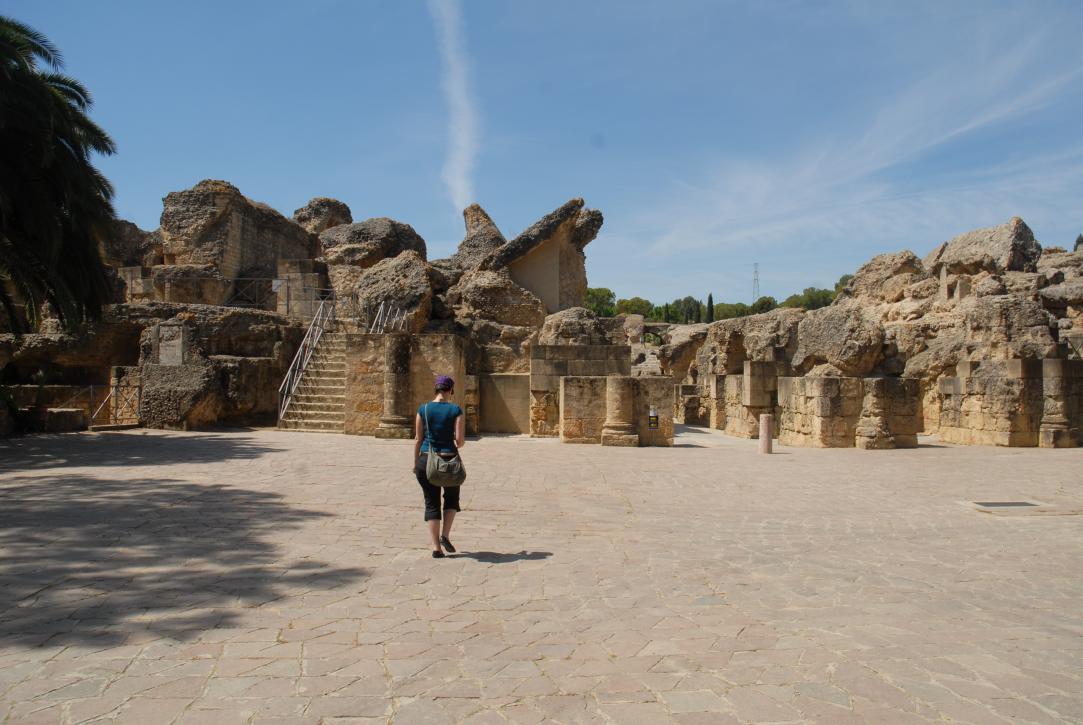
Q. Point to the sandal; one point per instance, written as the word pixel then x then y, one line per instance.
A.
pixel 437 554
pixel 447 544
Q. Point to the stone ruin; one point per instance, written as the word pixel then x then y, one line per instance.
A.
pixel 979 342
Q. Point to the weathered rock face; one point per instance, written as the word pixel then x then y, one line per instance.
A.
pixel 130 246
pixel 574 326
pixel 321 213
pixel 213 224
pixel 1005 327
pixel 771 336
pixel 845 334
pixel 403 282
pixel 492 295
pixel 190 283
pixel 677 354
pixel 886 277
pixel 180 397
pixel 1008 247
pixel 482 239
pixel 1069 264
pixel 499 316
pixel 548 258
pixel 363 244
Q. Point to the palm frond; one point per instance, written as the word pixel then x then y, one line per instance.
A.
pixel 30 42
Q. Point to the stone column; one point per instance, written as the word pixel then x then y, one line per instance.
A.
pixel 767 431
pixel 620 426
pixel 1055 432
pixel 396 421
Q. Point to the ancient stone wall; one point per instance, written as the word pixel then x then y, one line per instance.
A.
pixel 582 409
pixel 472 404
pixel 655 393
pixel 587 414
pixel 432 355
pixel 366 378
pixel 213 224
pixel 504 403
pixel 364 383
pixel 819 412
pixel 992 402
pixel 841 412
pixel 548 363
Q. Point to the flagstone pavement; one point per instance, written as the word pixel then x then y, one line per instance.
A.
pixel 259 576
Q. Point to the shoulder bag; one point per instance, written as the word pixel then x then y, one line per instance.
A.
pixel 442 471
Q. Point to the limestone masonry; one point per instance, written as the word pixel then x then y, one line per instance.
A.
pixel 980 341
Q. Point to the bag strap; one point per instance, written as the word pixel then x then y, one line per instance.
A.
pixel 428 430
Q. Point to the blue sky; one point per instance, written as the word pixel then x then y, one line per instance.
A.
pixel 806 136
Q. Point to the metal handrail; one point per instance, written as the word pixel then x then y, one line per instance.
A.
pixel 325 315
pixel 388 319
pixel 120 402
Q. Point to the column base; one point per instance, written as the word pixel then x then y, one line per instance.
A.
pixel 395 428
pixel 629 440
pixel 1056 437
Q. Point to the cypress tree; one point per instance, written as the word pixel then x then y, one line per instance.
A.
pixel 710 307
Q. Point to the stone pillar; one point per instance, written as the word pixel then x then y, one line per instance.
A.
pixel 620 427
pixel 767 432
pixel 396 421
pixel 1055 431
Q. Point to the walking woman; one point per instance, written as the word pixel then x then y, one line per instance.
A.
pixel 440 426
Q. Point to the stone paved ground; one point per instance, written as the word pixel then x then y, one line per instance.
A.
pixel 269 577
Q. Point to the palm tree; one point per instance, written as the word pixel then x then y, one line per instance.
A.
pixel 55 207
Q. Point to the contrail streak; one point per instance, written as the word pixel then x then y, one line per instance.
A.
pixel 462 123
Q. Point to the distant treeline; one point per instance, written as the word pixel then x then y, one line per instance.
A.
pixel 604 303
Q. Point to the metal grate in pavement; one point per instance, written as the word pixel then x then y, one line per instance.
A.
pixel 1003 504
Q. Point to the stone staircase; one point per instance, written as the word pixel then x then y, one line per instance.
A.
pixel 319 403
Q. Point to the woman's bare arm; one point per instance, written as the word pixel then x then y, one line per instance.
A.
pixel 419 435
pixel 460 431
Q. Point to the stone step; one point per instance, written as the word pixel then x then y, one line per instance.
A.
pixel 322 372
pixel 338 397
pixel 325 363
pixel 333 369
pixel 316 423
pixel 315 426
pixel 293 413
pixel 317 401
pixel 336 381
pixel 314 388
pixel 304 407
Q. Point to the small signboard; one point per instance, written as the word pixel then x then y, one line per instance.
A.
pixel 652 419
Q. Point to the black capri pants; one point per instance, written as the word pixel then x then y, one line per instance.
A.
pixel 432 493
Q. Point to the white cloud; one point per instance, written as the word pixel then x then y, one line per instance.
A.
pixel 851 187
pixel 463 124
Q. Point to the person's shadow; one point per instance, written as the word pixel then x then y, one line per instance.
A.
pixel 492 557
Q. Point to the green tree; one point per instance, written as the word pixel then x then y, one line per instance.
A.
pixel 710 307
pixel 601 301
pixel 634 306
pixel 55 206
pixel 810 299
pixel 763 304
pixel 841 284
pixel 667 315
pixel 1078 244
pixel 729 310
